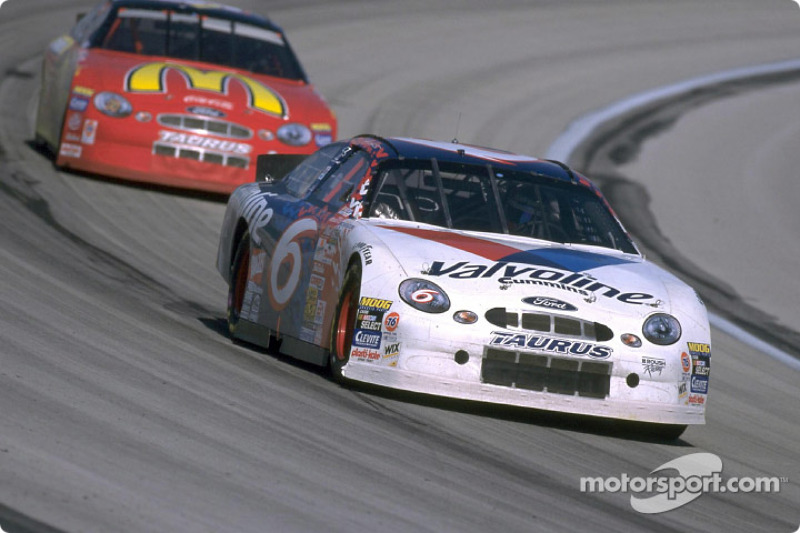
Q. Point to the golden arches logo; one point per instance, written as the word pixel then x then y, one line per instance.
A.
pixel 151 78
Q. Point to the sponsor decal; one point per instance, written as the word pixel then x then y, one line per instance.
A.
pixel 699 384
pixel 74 121
pixel 257 212
pixel 206 111
pixel 366 355
pixel 322 139
pixel 653 365
pixel 686 362
pixel 370 320
pixel 549 303
pixel 193 99
pixel 697 399
pixel 78 103
pixel 190 139
pixel 374 304
pixel 83 91
pixel 699 348
pixel 682 392
pixel 701 366
pixel 509 274
pixel 366 339
pixel 366 252
pixel 391 322
pixel 542 343
pixel 391 349
pixel 89 131
pixel 70 150
pixel 152 78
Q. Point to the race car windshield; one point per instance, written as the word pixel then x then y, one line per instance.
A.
pixel 202 38
pixel 478 198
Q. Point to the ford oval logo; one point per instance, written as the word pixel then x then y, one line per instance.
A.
pixel 207 111
pixel 549 303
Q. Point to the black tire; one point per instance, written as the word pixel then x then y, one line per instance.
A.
pixel 240 268
pixel 667 431
pixel 344 321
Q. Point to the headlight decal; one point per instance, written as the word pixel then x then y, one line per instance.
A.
pixel 112 104
pixel 662 329
pixel 424 296
pixel 294 134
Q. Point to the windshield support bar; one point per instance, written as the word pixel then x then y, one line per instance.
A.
pixel 440 186
pixel 497 202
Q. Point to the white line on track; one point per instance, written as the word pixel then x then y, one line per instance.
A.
pixel 582 128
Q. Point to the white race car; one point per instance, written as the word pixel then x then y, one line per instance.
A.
pixel 464 272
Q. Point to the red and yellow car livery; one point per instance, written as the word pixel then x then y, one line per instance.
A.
pixel 176 94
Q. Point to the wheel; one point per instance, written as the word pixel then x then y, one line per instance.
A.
pixel 240 268
pixel 667 431
pixel 344 321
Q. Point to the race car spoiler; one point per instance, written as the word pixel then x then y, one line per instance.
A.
pixel 273 167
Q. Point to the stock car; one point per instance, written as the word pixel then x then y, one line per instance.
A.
pixel 182 94
pixel 464 272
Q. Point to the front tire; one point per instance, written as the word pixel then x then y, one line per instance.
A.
pixel 344 322
pixel 240 269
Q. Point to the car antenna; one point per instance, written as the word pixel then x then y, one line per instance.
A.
pixel 458 125
pixel 461 151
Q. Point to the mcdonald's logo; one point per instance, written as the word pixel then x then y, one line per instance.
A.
pixel 151 78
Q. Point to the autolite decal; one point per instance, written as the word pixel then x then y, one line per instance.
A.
pixel 151 78
pixel 541 343
pixel 188 139
pixel 509 274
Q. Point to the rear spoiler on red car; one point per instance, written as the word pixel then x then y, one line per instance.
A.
pixel 273 167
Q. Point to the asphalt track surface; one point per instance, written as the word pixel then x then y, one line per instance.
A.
pixel 125 407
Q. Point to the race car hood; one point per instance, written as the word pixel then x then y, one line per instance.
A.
pixel 156 85
pixel 505 268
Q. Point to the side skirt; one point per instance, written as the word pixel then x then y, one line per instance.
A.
pixel 302 350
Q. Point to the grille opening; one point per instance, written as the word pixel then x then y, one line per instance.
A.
pixel 182 152
pixel 536 322
pixel 567 326
pixel 542 373
pixel 196 124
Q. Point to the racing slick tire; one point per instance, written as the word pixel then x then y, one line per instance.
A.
pixel 344 321
pixel 240 268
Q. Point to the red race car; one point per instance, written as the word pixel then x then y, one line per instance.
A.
pixel 178 94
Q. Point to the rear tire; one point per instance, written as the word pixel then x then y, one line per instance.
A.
pixel 240 269
pixel 344 322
